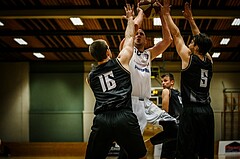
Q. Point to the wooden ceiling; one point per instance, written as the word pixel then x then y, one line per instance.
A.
pixel 46 26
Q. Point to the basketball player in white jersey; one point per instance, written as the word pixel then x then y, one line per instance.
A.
pixel 140 68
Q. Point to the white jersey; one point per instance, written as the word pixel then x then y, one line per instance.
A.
pixel 145 109
pixel 140 68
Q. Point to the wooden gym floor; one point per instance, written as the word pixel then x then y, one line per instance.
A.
pixel 82 157
pixel 66 151
pixel 74 150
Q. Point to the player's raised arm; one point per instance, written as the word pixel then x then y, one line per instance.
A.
pixel 187 13
pixel 127 51
pixel 183 51
pixel 137 24
pixel 161 46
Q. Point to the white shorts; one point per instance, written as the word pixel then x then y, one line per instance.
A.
pixel 139 110
pixel 154 114
pixel 148 112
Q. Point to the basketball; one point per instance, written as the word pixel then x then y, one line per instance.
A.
pixel 149 7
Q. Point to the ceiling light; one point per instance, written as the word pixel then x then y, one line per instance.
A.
pixel 38 55
pixel 76 21
pixel 88 41
pixel 224 41
pixel 20 41
pixel 236 22
pixel 156 40
pixel 1 23
pixel 157 22
pixel 159 56
pixel 216 54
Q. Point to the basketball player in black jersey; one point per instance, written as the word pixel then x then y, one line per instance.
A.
pixel 196 127
pixel 111 84
pixel 171 103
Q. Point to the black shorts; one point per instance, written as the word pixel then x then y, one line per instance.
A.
pixel 168 137
pixel 170 129
pixel 196 132
pixel 120 126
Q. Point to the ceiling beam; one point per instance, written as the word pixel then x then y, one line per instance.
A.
pixel 85 49
pixel 107 32
pixel 226 13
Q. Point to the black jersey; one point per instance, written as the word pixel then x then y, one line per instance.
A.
pixel 175 103
pixel 195 81
pixel 111 85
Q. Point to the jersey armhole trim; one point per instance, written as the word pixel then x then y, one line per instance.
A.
pixel 189 63
pixel 119 63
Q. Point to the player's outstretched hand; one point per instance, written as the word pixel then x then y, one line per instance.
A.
pixel 165 8
pixel 187 13
pixel 129 11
